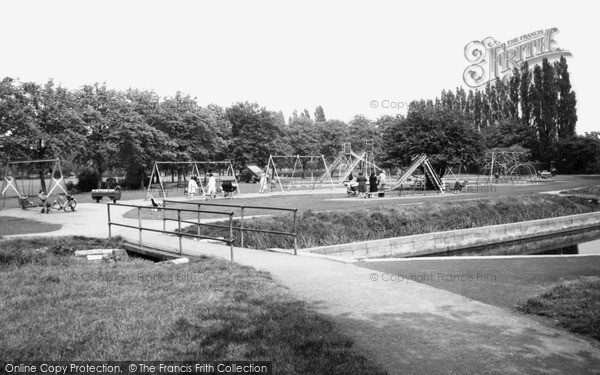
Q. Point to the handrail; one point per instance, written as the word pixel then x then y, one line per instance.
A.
pixel 241 228
pixel 180 234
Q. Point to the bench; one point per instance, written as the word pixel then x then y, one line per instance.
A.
pixel 113 194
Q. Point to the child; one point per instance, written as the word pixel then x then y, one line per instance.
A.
pixel 45 205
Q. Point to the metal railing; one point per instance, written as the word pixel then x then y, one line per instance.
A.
pixel 180 234
pixel 242 229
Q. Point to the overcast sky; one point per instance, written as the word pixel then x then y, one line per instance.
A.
pixel 285 55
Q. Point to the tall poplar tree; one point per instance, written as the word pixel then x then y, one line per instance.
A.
pixel 567 102
pixel 524 87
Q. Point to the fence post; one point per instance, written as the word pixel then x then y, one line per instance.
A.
pixel 164 216
pixel 140 223
pixel 242 226
pixel 109 229
pixel 295 232
pixel 199 208
pixel 231 234
pixel 179 231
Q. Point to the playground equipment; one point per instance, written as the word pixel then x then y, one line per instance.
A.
pixel 348 161
pixel 181 171
pixel 421 160
pixel 33 178
pixel 297 171
pixel 503 166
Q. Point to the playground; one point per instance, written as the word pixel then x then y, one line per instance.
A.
pixel 375 314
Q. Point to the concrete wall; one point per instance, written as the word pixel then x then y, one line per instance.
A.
pixel 438 242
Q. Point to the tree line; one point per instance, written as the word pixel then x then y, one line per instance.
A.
pixel 102 129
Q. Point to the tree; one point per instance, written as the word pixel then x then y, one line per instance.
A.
pixel 524 87
pixel 101 111
pixel 38 122
pixel 362 129
pixel 303 137
pixel 332 135
pixel 138 145
pixel 320 114
pixel 446 136
pixel 279 119
pixel 16 122
pixel 544 99
pixel 567 102
pixel 254 133
pixel 579 154
pixel 511 132
pixel 513 94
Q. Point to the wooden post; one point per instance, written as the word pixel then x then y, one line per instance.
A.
pixel 199 207
pixel 231 234
pixel 140 224
pixel 295 233
pixel 242 227
pixel 109 228
pixel 179 232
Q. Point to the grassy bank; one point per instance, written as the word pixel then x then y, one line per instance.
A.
pixel 574 305
pixel 590 190
pixel 56 307
pixel 329 228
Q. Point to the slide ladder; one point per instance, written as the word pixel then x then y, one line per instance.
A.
pixel 429 172
pixel 417 161
pixel 357 159
pixel 330 169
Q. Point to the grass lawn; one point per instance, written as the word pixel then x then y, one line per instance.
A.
pixel 54 306
pixel 502 282
pixel 566 290
pixel 590 190
pixel 574 305
pixel 14 225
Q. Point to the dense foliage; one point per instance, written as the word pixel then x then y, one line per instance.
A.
pixel 126 131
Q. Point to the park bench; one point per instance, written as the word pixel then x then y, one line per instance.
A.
pixel 113 194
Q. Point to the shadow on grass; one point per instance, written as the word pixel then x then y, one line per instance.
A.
pixel 13 225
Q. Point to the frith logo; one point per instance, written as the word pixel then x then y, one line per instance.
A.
pixel 491 59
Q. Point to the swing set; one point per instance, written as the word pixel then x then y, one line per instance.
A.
pixel 297 171
pixel 181 171
pixel 30 174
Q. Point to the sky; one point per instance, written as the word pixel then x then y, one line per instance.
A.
pixel 350 57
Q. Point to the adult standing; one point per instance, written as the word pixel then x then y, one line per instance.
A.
pixel 381 181
pixel 362 185
pixel 372 183
pixel 263 182
pixel 192 187
pixel 212 186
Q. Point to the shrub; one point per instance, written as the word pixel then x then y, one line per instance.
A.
pixel 133 178
pixel 88 180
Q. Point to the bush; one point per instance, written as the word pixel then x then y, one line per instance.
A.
pixel 88 180
pixel 133 178
pixel 71 188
